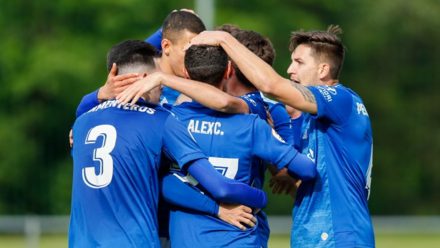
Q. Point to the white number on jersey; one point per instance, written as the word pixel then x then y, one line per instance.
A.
pixel 228 167
pixel 102 156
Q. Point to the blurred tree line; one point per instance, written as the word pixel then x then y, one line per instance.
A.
pixel 53 52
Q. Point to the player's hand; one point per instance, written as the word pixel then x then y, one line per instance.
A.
pixel 283 183
pixel 136 90
pixel 71 138
pixel 115 84
pixel 213 38
pixel 237 215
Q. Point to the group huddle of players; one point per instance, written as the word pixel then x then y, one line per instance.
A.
pixel 174 148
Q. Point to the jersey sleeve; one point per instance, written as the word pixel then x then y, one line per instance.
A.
pixel 296 130
pixel 177 192
pixel 254 106
pixel 88 102
pixel 269 146
pixel 155 39
pixel 179 144
pixel 334 103
pixel 282 122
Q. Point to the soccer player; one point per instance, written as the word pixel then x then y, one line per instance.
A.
pixel 177 30
pixel 248 100
pixel 331 211
pixel 233 142
pixel 117 152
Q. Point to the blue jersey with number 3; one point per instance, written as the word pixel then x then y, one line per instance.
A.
pixel 332 211
pixel 116 154
pixel 232 142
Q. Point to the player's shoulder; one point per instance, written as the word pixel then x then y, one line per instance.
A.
pixel 244 120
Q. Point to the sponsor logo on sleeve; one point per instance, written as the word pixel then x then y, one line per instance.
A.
pixel 327 92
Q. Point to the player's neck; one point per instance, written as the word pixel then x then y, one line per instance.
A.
pixel 328 81
pixel 331 82
pixel 236 88
pixel 164 66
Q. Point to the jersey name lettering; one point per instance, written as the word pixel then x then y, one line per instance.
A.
pixel 205 127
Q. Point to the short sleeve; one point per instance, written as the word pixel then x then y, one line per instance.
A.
pixel 179 144
pixel 334 102
pixel 256 106
pixel 269 146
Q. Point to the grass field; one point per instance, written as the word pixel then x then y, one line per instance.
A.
pixel 276 241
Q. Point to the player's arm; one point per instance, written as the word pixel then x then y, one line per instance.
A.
pixel 203 93
pixel 176 192
pixel 113 86
pixel 224 189
pixel 155 39
pixel 179 145
pixel 88 102
pixel 270 147
pixel 259 73
pixel 282 123
pixel 206 94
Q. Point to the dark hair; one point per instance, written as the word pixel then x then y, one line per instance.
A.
pixel 325 44
pixel 206 63
pixel 131 52
pixel 259 45
pixel 178 21
pixel 230 28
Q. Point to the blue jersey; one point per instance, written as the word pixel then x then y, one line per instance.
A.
pixel 256 104
pixel 297 129
pixel 332 211
pixel 116 154
pixel 233 142
pixel 168 96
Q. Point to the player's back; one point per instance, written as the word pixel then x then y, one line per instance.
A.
pixel 116 153
pixel 232 145
pixel 226 140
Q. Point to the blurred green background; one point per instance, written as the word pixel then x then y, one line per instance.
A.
pixel 53 53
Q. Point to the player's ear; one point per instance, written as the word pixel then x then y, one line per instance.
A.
pixel 166 44
pixel 324 70
pixel 185 73
pixel 229 71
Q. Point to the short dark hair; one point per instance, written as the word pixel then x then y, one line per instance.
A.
pixel 206 63
pixel 131 52
pixel 180 20
pixel 325 44
pixel 230 28
pixel 259 45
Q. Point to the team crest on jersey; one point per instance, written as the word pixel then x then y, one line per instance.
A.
pixel 277 136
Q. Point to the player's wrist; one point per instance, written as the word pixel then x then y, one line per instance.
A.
pixel 225 38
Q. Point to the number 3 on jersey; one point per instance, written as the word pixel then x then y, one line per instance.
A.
pixel 102 156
